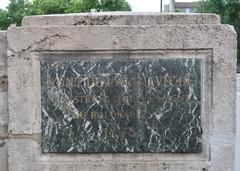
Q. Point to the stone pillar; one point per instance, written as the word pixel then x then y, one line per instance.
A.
pixel 137 46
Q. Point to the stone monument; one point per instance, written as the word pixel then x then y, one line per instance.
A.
pixel 119 91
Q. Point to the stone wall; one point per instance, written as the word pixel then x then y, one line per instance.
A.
pixel 108 35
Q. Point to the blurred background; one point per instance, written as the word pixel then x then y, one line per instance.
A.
pixel 145 5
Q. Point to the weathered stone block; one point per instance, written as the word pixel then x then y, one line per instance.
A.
pixel 120 18
pixel 139 36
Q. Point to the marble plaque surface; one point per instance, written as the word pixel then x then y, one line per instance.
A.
pixel 121 105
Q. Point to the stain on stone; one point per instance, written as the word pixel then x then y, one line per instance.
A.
pixel 165 166
pixel 2 144
pixel 4 83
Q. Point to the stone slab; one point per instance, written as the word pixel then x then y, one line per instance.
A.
pixel 121 18
pixel 121 105
pixel 117 38
pixel 214 43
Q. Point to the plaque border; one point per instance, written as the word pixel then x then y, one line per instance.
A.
pixel 204 54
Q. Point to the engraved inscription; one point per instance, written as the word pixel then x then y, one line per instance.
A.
pixel 121 105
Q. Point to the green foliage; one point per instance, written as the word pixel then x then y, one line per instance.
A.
pixel 76 6
pixel 49 6
pixel 177 10
pixel 229 11
pixel 17 9
pixel 114 5
pixel 4 21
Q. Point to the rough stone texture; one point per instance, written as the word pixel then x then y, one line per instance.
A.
pixel 212 42
pixel 120 18
pixel 237 155
pixel 20 154
pixel 3 85
pixel 3 101
pixel 3 154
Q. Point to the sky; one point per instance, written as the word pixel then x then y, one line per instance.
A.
pixel 150 5
pixel 137 5
pixel 3 3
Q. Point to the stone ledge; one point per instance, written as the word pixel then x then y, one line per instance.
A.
pixel 121 18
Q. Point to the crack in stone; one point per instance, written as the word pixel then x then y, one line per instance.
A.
pixel 45 39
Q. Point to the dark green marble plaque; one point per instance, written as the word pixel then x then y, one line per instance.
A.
pixel 121 105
